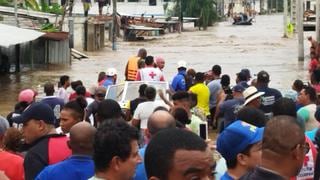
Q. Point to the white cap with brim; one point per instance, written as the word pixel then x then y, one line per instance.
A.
pixel 250 94
pixel 182 64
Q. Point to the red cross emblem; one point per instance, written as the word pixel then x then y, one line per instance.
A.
pixel 152 74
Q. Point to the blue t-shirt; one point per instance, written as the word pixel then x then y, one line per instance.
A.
pixel 214 87
pixel 230 109
pixel 78 167
pixel 108 82
pixel 179 82
pixel 268 99
pixel 226 176
pixel 140 169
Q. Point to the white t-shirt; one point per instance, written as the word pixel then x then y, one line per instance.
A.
pixel 151 74
pixel 63 94
pixel 144 110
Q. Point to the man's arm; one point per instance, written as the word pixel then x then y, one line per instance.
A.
pixel 138 76
pixel 126 71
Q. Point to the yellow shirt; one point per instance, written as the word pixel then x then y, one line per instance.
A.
pixel 203 96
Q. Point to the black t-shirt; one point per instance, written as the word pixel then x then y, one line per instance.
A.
pixel 259 173
pixel 44 151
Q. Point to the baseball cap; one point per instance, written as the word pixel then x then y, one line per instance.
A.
pixel 246 72
pixel 182 64
pixel 26 95
pixel 263 76
pixel 36 111
pixel 111 72
pixel 238 88
pixel 236 138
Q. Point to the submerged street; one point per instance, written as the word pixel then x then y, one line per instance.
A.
pixel 257 47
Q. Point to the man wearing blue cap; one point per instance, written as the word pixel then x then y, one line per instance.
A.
pixel 230 108
pixel 240 145
pixel 46 146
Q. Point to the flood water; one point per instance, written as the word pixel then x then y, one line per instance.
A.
pixel 257 47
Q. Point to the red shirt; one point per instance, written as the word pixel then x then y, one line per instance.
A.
pixel 313 65
pixel 74 95
pixel 12 165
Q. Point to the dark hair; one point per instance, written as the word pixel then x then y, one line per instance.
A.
pixel 81 90
pixel 149 60
pixel 232 163
pixel 101 76
pixel 284 106
pixel 142 53
pixel 311 92
pixel 199 77
pixel 64 79
pixel 180 95
pixel 150 93
pixel 12 140
pixel 109 109
pixel 298 84
pixel 113 138
pixel 225 80
pixel 242 76
pixel 78 108
pixel 162 148
pixel 216 69
pixel 160 108
pixel 181 115
pixel 48 89
pixel 252 116
pixel 142 88
pixel 75 84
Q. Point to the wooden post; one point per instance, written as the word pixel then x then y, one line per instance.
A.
pixel 285 18
pixel 300 30
pixel 114 24
pixel 17 52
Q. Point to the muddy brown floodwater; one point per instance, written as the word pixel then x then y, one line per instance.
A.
pixel 256 47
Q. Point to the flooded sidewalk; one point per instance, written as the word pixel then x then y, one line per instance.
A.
pixel 256 47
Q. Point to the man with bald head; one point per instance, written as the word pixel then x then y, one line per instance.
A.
pixel 80 165
pixel 283 150
pixel 158 121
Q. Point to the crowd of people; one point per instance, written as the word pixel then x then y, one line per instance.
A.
pixel 262 133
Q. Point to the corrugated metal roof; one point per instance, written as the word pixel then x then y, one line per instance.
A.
pixel 11 35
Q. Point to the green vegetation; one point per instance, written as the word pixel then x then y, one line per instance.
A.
pixel 203 9
pixel 49 27
pixel 35 6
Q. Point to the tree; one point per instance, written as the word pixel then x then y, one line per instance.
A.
pixel 203 9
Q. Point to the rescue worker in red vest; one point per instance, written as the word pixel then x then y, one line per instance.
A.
pixel 132 65
pixel 149 73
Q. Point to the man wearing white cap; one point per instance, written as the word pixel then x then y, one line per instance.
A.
pixel 111 77
pixel 252 97
pixel 179 81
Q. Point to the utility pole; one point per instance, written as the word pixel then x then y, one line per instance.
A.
pixel 293 14
pixel 285 18
pixel 181 16
pixel 300 30
pixel 114 25
pixel 318 21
